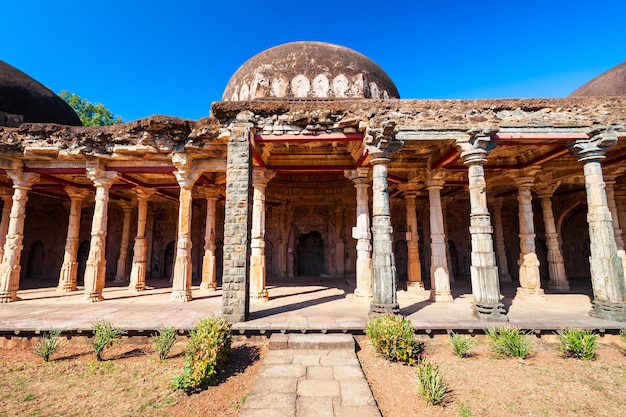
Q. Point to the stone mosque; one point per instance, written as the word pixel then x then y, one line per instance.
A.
pixel 312 166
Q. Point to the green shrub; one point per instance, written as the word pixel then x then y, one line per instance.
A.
pixel 206 354
pixel 579 344
pixel 105 336
pixel 393 337
pixel 163 342
pixel 49 345
pixel 430 386
pixel 509 342
pixel 461 345
pixel 622 334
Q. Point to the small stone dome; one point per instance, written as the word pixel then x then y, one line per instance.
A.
pixel 309 70
pixel 609 83
pixel 22 95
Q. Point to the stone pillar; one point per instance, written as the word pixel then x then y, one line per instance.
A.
pixel 362 233
pixel 607 272
pixel 619 242
pixel 414 272
pixel 209 264
pixel 439 273
pixel 183 268
pixel 10 267
pixel 339 244
pixel 95 272
pixel 139 265
pixel 503 267
pixel 120 273
pixel 260 178
pixel 7 201
pixel 381 143
pixel 445 231
pixel 423 207
pixel 529 277
pixel 483 270
pixel 558 279
pixel 291 243
pixel 283 238
pixel 67 278
pixel 237 222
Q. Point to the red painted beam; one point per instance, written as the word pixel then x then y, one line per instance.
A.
pixel 142 170
pixel 547 157
pixel 303 168
pixel 255 152
pixel 362 159
pixel 62 181
pixel 324 137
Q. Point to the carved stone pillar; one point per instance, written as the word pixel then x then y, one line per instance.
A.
pixel 503 267
pixel 209 265
pixel 283 238
pixel 260 178
pixel 183 268
pixel 10 267
pixel 67 277
pixel 610 197
pixel 138 268
pixel 362 233
pixel 414 270
pixel 558 279
pixel 607 272
pixel 95 272
pixel 7 200
pixel 484 272
pixel 529 277
pixel 380 144
pixel 339 244
pixel 120 274
pixel 439 273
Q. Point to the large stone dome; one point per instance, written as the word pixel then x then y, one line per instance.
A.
pixel 22 95
pixel 609 83
pixel 309 70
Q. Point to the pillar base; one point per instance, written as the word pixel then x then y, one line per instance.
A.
pixel 66 287
pixel 94 297
pixel 608 311
pixel 506 278
pixel 9 297
pixel 360 293
pixel 559 285
pixel 137 286
pixel 441 296
pixel 259 296
pixel 181 296
pixel 377 309
pixel 530 294
pixel 210 286
pixel 415 286
pixel 489 312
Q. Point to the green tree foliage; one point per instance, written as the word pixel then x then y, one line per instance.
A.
pixel 90 114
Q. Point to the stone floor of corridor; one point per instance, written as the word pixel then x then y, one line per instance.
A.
pixel 296 304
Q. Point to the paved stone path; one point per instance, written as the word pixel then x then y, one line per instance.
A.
pixel 312 375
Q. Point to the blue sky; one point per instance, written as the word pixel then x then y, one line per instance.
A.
pixel 175 58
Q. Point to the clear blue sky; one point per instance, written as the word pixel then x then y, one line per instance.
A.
pixel 175 57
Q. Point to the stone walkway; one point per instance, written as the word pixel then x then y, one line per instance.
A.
pixel 310 375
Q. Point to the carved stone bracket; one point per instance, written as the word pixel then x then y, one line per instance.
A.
pixel 382 140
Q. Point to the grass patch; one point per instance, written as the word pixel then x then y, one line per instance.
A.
pixel 49 345
pixel 579 344
pixel 509 342
pixel 461 345
pixel 105 336
pixel 163 342
pixel 430 385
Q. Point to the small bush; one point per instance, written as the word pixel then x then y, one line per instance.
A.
pixel 579 344
pixel 393 337
pixel 105 336
pixel 163 342
pixel 430 386
pixel 206 355
pixel 509 342
pixel 461 345
pixel 49 345
pixel 622 334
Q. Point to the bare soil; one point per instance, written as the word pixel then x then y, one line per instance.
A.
pixel 131 381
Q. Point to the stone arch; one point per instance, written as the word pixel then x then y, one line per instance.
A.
pixel 340 86
pixel 574 231
pixel 300 86
pixel 310 254
pixel 320 86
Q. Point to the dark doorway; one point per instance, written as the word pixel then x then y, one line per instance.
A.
pixel 401 258
pixel 36 260
pixel 310 254
pixel 168 259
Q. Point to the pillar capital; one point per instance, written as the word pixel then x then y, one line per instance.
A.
pixel 381 142
pixel 6 195
pixel 186 176
pixel 144 193
pixel 261 176
pixel 359 175
pixel 545 190
pixel 476 144
pixel 210 191
pixel 594 148
pixel 22 180
pixel 100 177
pixel 76 193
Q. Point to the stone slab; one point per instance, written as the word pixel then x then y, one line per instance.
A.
pixel 321 341
pixel 312 388
pixel 278 341
pixel 315 407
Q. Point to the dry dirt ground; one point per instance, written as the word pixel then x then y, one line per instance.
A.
pixel 131 381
